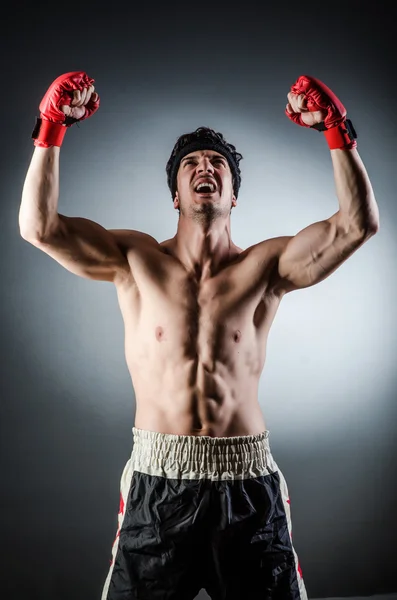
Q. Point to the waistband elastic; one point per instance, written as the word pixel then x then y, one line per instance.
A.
pixel 197 457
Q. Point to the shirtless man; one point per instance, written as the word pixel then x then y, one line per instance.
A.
pixel 203 503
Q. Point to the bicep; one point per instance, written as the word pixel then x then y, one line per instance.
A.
pixel 317 251
pixel 84 248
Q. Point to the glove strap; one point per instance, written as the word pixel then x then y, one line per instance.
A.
pixel 342 136
pixel 46 133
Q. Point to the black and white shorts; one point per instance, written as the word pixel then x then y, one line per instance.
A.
pixel 201 512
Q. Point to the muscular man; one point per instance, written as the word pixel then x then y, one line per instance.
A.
pixel 203 503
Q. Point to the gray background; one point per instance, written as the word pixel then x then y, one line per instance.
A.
pixel 328 391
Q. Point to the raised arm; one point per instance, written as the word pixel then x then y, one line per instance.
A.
pixel 80 245
pixel 318 250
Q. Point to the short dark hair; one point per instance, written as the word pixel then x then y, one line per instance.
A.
pixel 203 137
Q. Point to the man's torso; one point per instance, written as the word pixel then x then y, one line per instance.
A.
pixel 195 347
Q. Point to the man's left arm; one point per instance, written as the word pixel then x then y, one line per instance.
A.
pixel 318 250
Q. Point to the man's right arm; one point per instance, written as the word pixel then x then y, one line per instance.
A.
pixel 80 245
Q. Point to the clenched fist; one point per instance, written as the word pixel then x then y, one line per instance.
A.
pixel 312 104
pixel 70 98
pixel 79 101
pixel 297 105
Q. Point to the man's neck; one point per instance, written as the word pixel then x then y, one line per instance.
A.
pixel 203 250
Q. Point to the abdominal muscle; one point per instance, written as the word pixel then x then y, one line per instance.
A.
pixel 181 397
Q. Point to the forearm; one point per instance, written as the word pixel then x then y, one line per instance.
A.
pixel 357 204
pixel 39 205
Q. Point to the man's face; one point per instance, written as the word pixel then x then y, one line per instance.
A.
pixel 204 185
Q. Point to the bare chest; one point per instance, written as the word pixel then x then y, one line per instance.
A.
pixel 167 311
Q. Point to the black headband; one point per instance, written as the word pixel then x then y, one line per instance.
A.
pixel 204 144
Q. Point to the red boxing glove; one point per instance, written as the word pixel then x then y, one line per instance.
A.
pixel 51 127
pixel 339 131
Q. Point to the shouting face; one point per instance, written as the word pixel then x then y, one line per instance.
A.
pixel 204 185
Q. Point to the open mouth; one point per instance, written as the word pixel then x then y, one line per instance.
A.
pixel 205 188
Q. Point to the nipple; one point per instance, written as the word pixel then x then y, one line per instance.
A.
pixel 237 336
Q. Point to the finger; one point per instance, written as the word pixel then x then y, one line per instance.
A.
pixel 289 108
pixel 293 100
pixel 88 95
pixel 76 97
pixel 291 97
pixel 302 103
pixel 95 97
pixel 83 94
pixel 66 109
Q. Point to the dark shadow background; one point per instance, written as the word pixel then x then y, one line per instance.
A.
pixel 329 386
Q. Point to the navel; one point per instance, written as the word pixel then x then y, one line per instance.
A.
pixel 237 336
pixel 159 333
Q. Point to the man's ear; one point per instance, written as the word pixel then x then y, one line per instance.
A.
pixel 176 201
pixel 234 201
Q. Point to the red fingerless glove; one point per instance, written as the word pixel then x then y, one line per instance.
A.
pixel 51 127
pixel 339 131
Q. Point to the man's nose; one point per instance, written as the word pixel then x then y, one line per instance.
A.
pixel 205 165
